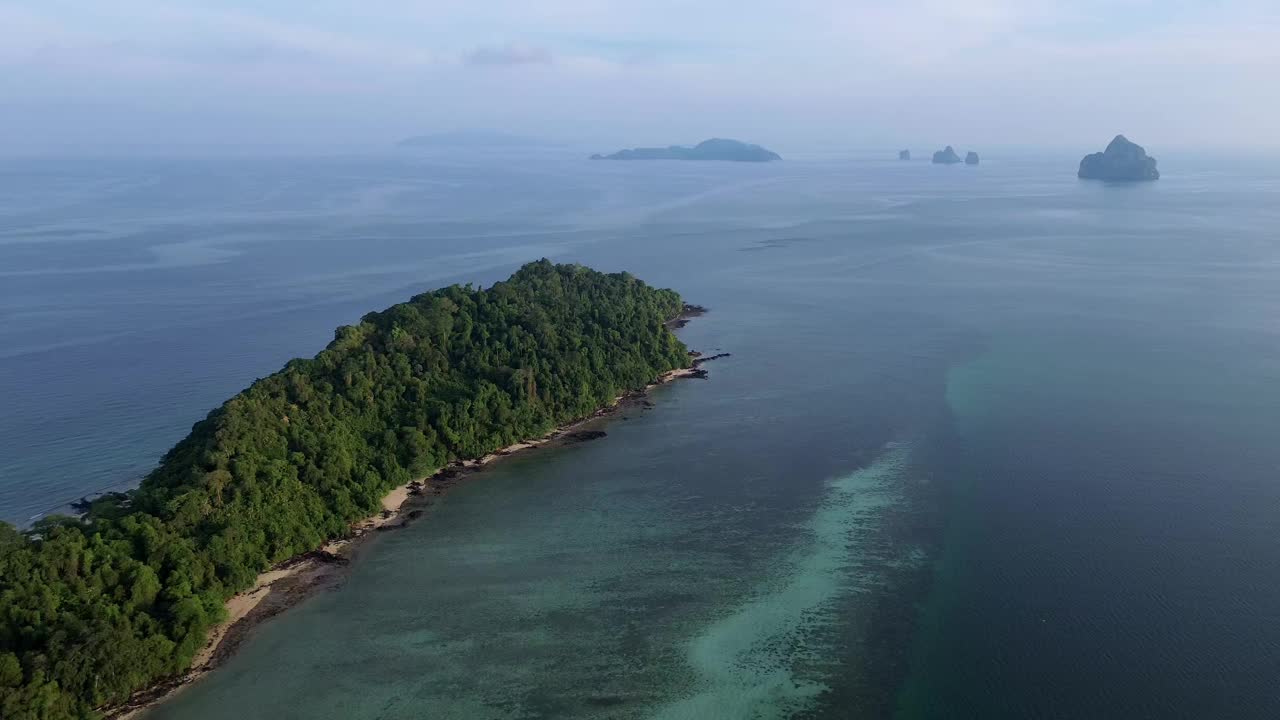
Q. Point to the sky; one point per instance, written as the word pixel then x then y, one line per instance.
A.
pixel 791 74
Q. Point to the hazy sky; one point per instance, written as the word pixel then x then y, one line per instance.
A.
pixel 789 73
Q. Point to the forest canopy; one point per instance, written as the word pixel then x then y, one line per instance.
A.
pixel 95 608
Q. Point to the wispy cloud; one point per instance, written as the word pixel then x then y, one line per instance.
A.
pixel 507 55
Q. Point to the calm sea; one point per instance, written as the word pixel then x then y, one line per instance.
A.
pixel 993 442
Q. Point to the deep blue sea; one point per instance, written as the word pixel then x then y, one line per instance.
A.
pixel 993 442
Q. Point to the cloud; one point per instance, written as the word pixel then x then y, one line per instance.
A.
pixel 507 55
pixel 1021 71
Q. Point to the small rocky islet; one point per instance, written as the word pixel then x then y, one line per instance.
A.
pixel 946 156
pixel 1122 161
pixel 949 156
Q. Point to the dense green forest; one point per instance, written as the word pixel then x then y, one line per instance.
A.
pixel 92 609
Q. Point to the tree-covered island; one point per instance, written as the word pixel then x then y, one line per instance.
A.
pixel 95 608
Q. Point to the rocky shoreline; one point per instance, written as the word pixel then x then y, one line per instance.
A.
pixel 302 576
pixel 687 313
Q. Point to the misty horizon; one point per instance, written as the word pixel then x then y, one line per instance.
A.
pixel 599 74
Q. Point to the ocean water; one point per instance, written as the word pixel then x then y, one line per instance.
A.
pixel 993 442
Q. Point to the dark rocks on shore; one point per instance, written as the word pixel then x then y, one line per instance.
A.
pixel 582 436
pixel 697 372
pixel 904 154
pixel 946 156
pixel 700 360
pixel 1122 161
pixel 971 158
pixel 687 313
pixel 320 556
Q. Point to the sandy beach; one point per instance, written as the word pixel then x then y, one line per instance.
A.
pixel 290 582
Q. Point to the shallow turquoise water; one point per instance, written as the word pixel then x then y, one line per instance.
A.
pixel 750 662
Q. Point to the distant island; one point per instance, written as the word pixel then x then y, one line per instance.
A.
pixel 946 156
pixel 470 139
pixel 971 158
pixel 904 154
pixel 714 149
pixel 96 608
pixel 1122 161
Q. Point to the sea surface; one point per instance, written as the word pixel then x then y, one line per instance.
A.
pixel 993 442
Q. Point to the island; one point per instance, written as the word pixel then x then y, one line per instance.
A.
pixel 98 607
pixel 714 149
pixel 904 154
pixel 1122 161
pixel 946 156
pixel 971 158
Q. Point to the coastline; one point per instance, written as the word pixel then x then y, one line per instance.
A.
pixel 298 578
